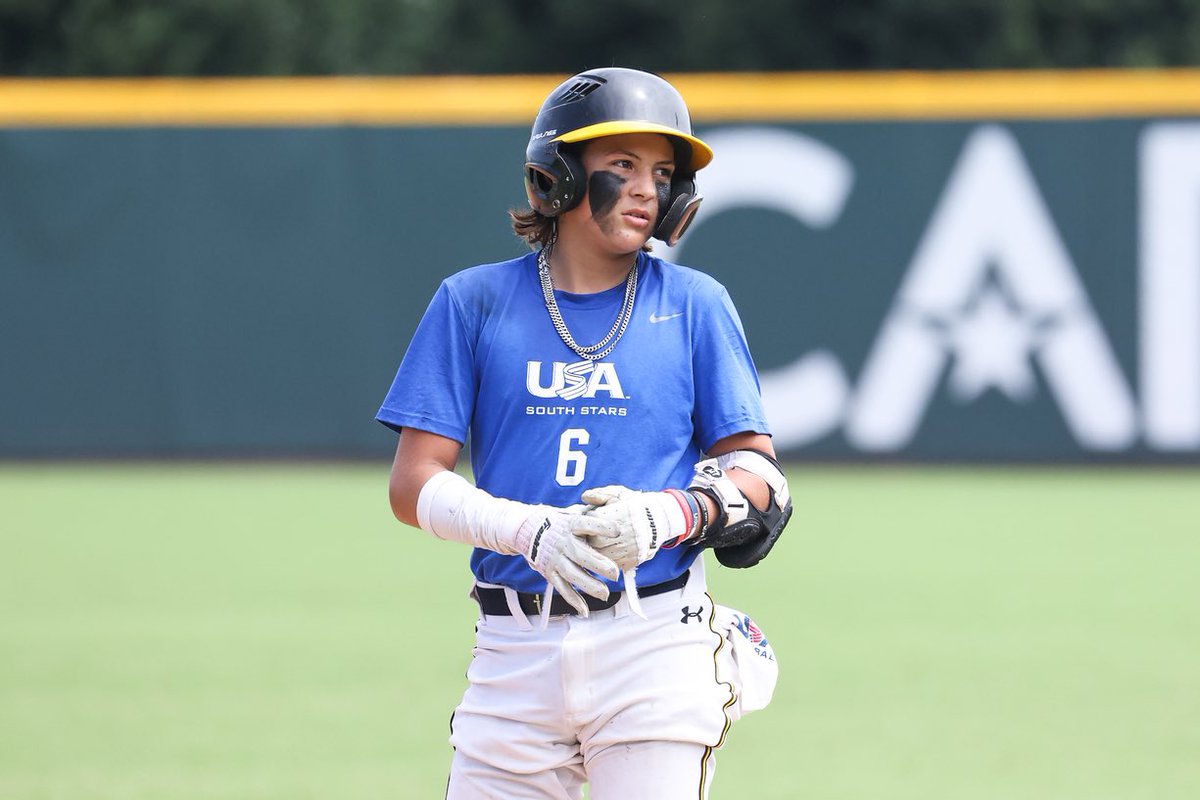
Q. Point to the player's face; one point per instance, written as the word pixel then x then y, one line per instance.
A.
pixel 629 178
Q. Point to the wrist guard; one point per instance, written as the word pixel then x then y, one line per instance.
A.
pixel 449 507
pixel 741 535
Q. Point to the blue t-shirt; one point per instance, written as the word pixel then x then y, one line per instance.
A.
pixel 544 424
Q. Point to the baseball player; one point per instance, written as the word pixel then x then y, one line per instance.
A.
pixel 616 430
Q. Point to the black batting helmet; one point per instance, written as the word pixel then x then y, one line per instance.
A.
pixel 606 102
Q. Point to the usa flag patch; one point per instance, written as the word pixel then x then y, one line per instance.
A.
pixel 750 631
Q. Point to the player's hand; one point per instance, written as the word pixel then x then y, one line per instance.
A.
pixel 628 526
pixel 550 545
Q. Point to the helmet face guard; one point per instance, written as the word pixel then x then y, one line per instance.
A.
pixel 608 102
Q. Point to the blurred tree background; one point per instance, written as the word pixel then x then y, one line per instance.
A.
pixel 395 37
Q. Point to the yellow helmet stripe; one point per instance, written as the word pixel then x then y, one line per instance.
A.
pixel 701 153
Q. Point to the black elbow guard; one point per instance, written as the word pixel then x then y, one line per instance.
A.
pixel 742 535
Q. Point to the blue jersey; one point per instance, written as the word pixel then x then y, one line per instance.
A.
pixel 544 424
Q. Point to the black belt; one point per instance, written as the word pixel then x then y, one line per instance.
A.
pixel 494 603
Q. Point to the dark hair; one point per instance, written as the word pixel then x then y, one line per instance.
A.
pixel 536 229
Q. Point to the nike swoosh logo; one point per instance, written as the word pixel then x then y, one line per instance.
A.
pixel 665 317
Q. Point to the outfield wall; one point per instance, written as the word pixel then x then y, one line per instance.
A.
pixel 983 267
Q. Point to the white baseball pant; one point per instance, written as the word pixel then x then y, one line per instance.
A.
pixel 633 707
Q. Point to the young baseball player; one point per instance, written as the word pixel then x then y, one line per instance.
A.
pixel 616 431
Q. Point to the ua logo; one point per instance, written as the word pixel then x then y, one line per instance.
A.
pixel 690 615
pixel 571 381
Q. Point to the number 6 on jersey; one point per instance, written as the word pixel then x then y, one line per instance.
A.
pixel 572 464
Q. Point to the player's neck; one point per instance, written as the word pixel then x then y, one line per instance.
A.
pixel 583 270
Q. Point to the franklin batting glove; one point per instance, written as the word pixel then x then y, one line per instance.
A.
pixel 628 526
pixel 547 540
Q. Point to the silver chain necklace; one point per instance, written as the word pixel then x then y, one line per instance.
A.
pixel 603 347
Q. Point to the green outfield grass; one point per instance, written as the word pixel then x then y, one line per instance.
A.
pixel 250 632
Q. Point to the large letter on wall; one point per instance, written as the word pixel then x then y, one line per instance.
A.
pixel 1170 284
pixel 991 219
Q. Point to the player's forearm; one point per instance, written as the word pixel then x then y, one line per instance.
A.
pixel 753 487
pixel 404 488
pixel 419 456
pixel 410 473
pixel 450 507
pixel 443 503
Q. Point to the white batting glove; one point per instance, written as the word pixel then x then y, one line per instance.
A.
pixel 549 543
pixel 628 526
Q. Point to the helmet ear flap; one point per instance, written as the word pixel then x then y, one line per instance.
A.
pixel 681 210
pixel 556 189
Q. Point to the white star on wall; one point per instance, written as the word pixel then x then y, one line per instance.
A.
pixel 991 344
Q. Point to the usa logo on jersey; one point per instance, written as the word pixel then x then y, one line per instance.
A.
pixel 584 379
